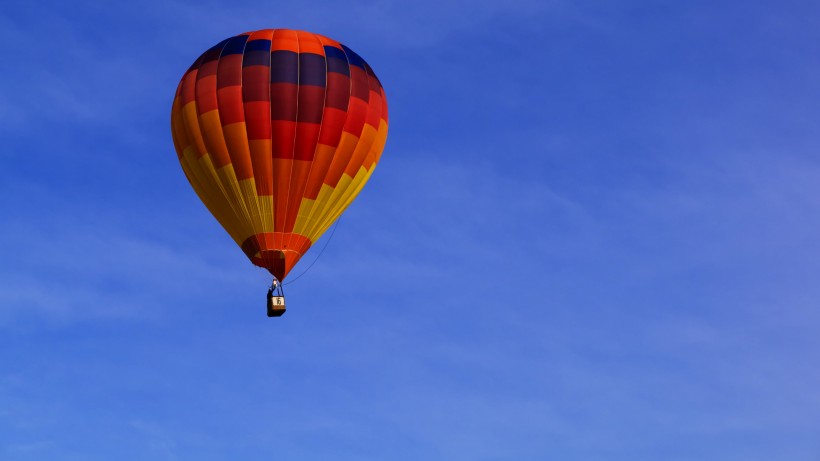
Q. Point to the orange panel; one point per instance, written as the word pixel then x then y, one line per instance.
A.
pixel 284 39
pixel 298 180
pixel 214 140
pixel 309 43
pixel 281 185
pixel 341 158
pixel 262 165
pixel 321 163
pixel 236 138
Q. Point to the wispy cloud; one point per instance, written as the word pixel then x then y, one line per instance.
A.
pixel 78 270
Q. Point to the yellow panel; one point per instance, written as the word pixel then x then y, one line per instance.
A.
pixel 324 195
pixel 233 214
pixel 304 212
pixel 345 196
pixel 211 193
pixel 228 178
pixel 326 211
pixel 344 201
pixel 323 207
pixel 266 212
pixel 315 216
pixel 248 189
pixel 199 183
pixel 191 121
pixel 181 141
pixel 308 220
pixel 259 208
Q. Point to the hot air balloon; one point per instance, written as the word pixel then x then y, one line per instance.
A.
pixel 277 132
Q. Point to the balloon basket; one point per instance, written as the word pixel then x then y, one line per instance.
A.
pixel 276 306
pixel 276 299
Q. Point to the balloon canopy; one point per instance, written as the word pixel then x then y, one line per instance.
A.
pixel 277 131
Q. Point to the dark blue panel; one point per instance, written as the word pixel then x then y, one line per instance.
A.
pixel 214 51
pixel 353 58
pixel 256 58
pixel 312 69
pixel 195 65
pixel 338 65
pixel 284 67
pixel 235 45
pixel 372 75
pixel 333 52
pixel 258 45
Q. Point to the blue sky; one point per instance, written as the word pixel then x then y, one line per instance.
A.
pixel 593 235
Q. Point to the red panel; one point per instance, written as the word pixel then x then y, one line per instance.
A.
pixel 360 87
pixel 283 134
pixel 283 100
pixel 267 250
pixel 206 94
pixel 255 83
pixel 375 110
pixel 257 117
pixel 231 109
pixel 332 124
pixel 188 90
pixel 232 114
pixel 356 115
pixel 338 90
pixel 311 103
pixel 208 68
pixel 384 105
pixel 306 137
pixel 229 71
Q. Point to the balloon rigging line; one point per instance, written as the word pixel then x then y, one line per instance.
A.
pixel 329 238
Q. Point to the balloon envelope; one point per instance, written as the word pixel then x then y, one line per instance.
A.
pixel 277 131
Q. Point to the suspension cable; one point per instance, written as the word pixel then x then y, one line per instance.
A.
pixel 329 238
